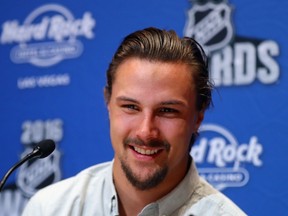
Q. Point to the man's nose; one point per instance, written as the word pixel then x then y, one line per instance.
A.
pixel 147 128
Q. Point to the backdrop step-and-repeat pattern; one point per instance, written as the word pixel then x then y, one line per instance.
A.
pixel 53 59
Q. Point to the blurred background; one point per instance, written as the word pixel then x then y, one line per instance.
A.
pixel 53 61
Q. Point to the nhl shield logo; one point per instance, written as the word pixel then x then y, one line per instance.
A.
pixel 36 174
pixel 210 24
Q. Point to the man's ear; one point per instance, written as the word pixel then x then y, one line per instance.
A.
pixel 106 95
pixel 107 100
pixel 198 120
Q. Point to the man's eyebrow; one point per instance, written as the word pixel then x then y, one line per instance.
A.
pixel 126 99
pixel 173 102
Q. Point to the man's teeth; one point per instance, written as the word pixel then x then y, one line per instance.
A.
pixel 145 152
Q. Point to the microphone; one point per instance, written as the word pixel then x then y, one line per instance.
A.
pixel 41 150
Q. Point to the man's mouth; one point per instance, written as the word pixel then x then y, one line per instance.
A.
pixel 145 151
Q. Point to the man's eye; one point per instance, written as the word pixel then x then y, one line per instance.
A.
pixel 168 110
pixel 130 107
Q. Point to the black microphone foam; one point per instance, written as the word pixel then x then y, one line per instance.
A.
pixel 44 148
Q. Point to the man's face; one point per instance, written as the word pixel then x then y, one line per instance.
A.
pixel 152 115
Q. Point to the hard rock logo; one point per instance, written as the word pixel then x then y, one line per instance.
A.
pixel 221 157
pixel 47 36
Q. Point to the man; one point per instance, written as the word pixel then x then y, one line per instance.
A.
pixel 157 92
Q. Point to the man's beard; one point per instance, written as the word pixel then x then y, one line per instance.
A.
pixel 152 180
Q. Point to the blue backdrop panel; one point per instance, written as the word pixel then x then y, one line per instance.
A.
pixel 53 59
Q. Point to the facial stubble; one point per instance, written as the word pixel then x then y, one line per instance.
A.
pixel 152 179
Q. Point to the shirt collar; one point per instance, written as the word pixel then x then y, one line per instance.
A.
pixel 179 195
pixel 111 200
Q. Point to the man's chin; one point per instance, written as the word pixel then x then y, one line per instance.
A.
pixel 144 178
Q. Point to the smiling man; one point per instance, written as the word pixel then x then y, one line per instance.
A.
pixel 157 91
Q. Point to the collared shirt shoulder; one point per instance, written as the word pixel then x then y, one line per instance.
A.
pixel 91 192
pixel 206 201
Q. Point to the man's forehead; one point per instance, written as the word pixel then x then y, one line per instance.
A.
pixel 158 68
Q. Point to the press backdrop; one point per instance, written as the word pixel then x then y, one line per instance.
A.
pixel 53 59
